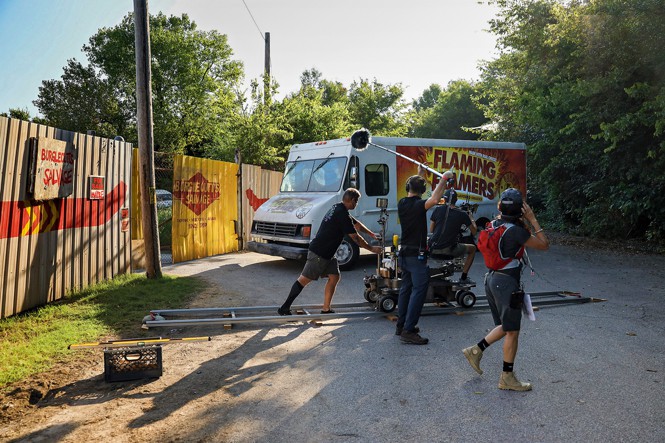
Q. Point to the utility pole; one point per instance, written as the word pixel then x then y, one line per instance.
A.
pixel 266 73
pixel 148 200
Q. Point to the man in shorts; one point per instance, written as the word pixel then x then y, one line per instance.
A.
pixel 447 222
pixel 503 286
pixel 321 260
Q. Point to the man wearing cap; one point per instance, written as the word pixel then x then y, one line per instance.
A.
pixel 503 287
pixel 446 223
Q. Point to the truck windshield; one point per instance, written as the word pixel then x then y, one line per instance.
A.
pixel 320 175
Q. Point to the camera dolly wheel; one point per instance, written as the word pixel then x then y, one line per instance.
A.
pixel 387 303
pixel 465 299
pixel 371 295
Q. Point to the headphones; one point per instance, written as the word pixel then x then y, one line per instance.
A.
pixel 416 184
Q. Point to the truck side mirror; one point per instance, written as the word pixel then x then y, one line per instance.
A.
pixel 353 177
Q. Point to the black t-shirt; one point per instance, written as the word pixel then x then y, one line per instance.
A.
pixel 335 225
pixel 510 244
pixel 413 218
pixel 457 221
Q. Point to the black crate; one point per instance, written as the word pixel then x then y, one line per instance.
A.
pixel 132 363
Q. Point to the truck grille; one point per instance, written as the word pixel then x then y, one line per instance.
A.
pixel 276 229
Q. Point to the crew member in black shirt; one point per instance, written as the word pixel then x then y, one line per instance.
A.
pixel 447 222
pixel 412 211
pixel 321 260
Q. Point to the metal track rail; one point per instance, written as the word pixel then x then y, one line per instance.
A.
pixel 266 314
pixel 230 316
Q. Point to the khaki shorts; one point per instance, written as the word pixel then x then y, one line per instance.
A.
pixel 317 266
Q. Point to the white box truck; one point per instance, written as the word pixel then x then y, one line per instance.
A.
pixel 316 175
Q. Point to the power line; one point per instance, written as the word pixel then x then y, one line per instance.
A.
pixel 256 24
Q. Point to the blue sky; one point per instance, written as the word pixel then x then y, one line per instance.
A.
pixel 416 42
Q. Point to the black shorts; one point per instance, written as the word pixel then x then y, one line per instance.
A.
pixel 317 266
pixel 499 289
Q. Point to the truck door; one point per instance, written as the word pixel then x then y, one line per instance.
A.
pixel 352 179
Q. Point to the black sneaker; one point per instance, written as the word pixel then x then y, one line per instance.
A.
pixel 412 338
pixel 329 311
pixel 399 329
pixel 284 312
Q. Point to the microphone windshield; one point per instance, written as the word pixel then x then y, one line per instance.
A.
pixel 361 139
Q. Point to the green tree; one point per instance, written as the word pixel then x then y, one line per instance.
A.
pixel 447 115
pixel 18 113
pixel 428 98
pixel 258 134
pixel 316 111
pixel 581 84
pixel 81 101
pixel 194 83
pixel 378 107
pixel 331 92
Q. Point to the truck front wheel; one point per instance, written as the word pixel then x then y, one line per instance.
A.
pixel 347 254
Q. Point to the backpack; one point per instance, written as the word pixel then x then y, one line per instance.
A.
pixel 489 242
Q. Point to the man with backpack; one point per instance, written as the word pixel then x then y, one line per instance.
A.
pixel 447 222
pixel 503 244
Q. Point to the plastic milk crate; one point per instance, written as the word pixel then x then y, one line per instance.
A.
pixel 132 363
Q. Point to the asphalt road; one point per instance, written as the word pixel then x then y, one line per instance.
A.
pixel 598 368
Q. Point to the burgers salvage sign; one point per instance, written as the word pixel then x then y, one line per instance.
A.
pixel 51 168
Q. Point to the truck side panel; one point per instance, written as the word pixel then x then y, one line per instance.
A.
pixel 482 174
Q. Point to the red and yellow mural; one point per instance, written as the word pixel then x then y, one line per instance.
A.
pixel 31 217
pixel 480 174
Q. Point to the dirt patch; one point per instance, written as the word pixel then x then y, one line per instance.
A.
pixel 20 401
pixel 625 246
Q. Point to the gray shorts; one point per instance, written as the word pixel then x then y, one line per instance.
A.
pixel 499 289
pixel 458 250
pixel 317 266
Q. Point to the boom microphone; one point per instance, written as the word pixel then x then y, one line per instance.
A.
pixel 361 139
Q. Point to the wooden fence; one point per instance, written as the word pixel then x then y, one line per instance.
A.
pixel 71 229
pixel 66 204
pixel 205 208
pixel 228 221
pixel 257 186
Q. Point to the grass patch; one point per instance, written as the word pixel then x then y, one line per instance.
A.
pixel 34 341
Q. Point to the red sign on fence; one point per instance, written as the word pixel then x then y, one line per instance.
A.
pixel 96 187
pixel 197 193
pixel 124 219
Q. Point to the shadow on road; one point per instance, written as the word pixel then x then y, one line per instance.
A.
pixel 231 376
